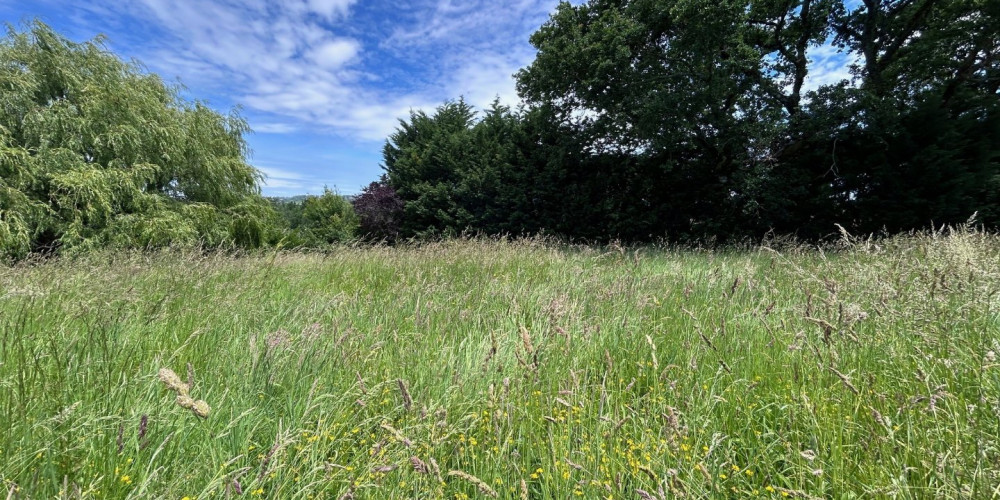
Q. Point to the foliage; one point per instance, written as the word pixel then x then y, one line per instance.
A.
pixel 583 372
pixel 695 120
pixel 289 210
pixel 327 219
pixel 709 104
pixel 315 221
pixel 379 211
pixel 95 152
pixel 425 160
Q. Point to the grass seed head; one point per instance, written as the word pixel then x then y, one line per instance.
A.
pixel 478 483
pixel 407 400
pixel 201 408
pixel 645 495
pixel 173 382
pixel 526 340
pixel 419 466
pixel 185 401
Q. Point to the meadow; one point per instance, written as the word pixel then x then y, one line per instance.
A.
pixel 508 369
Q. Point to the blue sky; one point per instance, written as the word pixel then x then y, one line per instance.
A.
pixel 322 82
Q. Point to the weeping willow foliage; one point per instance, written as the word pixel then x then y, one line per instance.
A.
pixel 97 152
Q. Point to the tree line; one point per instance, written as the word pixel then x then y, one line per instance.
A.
pixel 640 120
pixel 697 120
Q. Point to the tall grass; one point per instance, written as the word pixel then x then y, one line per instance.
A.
pixel 511 369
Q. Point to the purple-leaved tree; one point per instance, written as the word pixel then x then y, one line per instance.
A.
pixel 379 210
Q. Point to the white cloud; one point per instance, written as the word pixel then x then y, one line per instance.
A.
pixel 273 128
pixel 828 66
pixel 331 9
pixel 482 80
pixel 342 67
pixel 335 53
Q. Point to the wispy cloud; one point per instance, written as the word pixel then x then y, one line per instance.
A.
pixel 348 69
pixel 280 181
pixel 828 66
pixel 274 128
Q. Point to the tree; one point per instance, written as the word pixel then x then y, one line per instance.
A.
pixel 94 151
pixel 925 137
pixel 706 103
pixel 379 211
pixel 424 161
pixel 674 89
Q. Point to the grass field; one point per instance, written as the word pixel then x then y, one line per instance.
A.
pixel 506 369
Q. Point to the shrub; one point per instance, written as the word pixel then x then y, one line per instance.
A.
pixel 327 219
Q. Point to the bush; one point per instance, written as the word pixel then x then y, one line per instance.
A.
pixel 327 219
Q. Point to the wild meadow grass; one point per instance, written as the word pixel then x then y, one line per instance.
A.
pixel 510 369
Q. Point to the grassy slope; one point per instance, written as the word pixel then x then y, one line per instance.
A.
pixel 568 373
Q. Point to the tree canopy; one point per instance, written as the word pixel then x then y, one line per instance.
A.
pixel 710 100
pixel 95 151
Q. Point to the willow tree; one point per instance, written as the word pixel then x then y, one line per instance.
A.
pixel 95 152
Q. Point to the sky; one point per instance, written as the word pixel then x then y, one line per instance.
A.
pixel 323 82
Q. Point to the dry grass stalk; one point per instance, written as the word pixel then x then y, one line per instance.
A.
pixel 267 460
pixel 846 380
pixel 524 490
pixel 649 472
pixel 652 346
pixel 361 384
pixel 492 352
pixel 398 435
pixel 436 469
pixel 725 366
pixel 879 418
pixel 673 423
pixel 704 472
pixel 478 483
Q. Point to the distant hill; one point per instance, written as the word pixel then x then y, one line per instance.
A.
pixel 302 197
